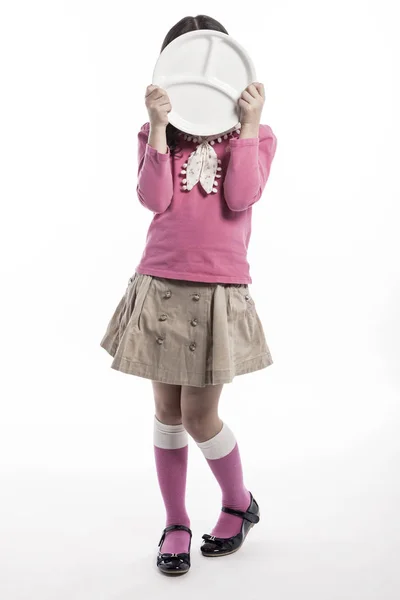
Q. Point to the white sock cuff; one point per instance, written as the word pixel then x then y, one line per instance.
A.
pixel 169 437
pixel 220 445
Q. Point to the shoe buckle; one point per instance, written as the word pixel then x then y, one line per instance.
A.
pixel 212 537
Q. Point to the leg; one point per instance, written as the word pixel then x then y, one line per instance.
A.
pixel 200 418
pixel 167 400
pixel 171 457
pixel 199 408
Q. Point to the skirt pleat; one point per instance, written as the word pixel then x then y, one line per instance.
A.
pixel 186 333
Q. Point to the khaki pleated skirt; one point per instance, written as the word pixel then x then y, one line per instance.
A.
pixel 185 332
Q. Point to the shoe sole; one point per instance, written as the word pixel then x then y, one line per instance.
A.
pixel 232 551
pixel 173 573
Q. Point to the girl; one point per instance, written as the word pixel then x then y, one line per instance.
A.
pixel 187 320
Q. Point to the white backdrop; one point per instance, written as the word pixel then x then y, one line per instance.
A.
pixel 80 509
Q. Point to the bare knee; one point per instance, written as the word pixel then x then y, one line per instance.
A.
pixel 201 424
pixel 200 412
pixel 201 427
pixel 167 400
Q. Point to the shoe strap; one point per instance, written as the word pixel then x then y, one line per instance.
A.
pixel 173 528
pixel 249 516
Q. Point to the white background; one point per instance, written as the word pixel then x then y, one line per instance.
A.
pixel 80 509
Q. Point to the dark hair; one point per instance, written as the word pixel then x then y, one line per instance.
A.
pixel 184 26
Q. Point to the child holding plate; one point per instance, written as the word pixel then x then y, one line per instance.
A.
pixel 187 320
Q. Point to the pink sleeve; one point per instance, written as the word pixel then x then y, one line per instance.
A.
pixel 154 183
pixel 248 169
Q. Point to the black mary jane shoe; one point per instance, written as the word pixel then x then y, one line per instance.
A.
pixel 174 564
pixel 215 546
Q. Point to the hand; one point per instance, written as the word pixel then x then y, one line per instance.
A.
pixel 251 103
pixel 158 105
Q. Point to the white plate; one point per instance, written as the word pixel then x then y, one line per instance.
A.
pixel 204 73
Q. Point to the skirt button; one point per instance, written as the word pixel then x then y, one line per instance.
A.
pixel 193 322
pixel 167 294
pixel 162 317
pixel 160 340
pixel 196 297
pixel 192 346
pixel 247 297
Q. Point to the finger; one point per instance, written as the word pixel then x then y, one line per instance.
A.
pixel 155 90
pixel 149 89
pixel 157 95
pixel 247 96
pixel 252 90
pixel 260 88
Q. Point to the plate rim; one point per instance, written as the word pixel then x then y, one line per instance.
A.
pixel 179 122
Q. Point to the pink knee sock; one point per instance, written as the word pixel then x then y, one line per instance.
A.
pixel 222 454
pixel 171 457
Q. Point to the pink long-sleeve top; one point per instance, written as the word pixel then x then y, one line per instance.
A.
pixel 194 235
